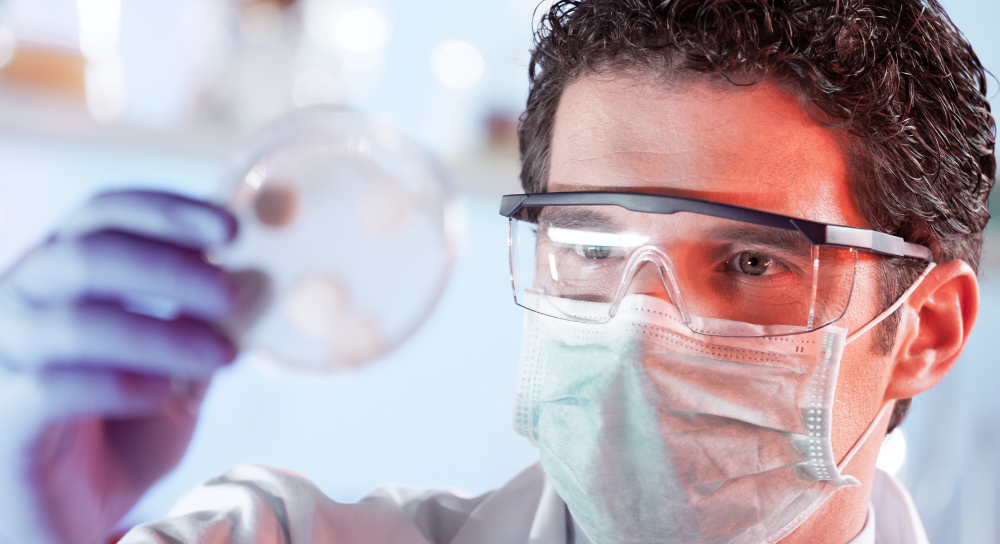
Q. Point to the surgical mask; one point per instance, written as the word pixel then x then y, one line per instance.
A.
pixel 652 433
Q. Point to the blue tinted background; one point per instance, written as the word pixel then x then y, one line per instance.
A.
pixel 436 413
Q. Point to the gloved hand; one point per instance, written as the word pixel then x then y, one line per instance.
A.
pixel 108 339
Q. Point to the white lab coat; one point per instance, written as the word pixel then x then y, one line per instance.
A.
pixel 258 505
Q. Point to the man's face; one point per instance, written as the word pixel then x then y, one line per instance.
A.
pixel 751 147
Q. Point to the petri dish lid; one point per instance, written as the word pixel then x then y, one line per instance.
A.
pixel 348 230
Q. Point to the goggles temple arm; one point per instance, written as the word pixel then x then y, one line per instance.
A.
pixel 895 306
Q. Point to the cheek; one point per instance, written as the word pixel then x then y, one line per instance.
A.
pixel 863 373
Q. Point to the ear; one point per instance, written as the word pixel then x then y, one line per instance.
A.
pixel 934 326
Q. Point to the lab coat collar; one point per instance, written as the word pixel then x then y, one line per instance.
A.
pixel 501 518
pixel 892 516
pixel 895 515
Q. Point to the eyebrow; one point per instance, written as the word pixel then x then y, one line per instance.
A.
pixel 763 236
pixel 579 219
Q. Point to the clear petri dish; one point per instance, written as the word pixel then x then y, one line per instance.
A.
pixel 347 232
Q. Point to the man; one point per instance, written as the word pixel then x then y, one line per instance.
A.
pixel 750 236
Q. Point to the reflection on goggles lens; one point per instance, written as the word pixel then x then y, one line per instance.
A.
pixel 591 238
pixel 711 268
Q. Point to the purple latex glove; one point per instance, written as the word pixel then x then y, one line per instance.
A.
pixel 108 339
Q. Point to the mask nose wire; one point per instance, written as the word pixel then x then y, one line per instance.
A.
pixel 656 256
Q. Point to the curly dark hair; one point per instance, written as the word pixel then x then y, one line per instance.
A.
pixel 895 77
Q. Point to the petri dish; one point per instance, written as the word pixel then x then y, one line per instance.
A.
pixel 347 235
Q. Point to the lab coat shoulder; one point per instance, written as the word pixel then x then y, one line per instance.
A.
pixel 253 504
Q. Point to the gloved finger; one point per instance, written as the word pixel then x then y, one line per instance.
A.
pixel 114 265
pixel 162 216
pixel 103 334
pixel 58 393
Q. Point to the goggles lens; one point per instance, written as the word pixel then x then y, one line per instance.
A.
pixel 725 277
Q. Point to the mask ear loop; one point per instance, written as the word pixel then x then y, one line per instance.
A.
pixel 864 437
pixel 887 404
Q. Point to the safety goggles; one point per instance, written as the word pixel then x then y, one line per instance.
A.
pixel 728 270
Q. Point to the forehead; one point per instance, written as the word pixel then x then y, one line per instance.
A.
pixel 751 147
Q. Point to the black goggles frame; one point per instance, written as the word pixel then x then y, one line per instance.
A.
pixel 820 234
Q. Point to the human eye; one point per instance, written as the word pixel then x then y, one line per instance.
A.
pixel 752 264
pixel 597 253
pixel 594 244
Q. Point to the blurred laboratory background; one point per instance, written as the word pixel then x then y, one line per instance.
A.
pixel 99 94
